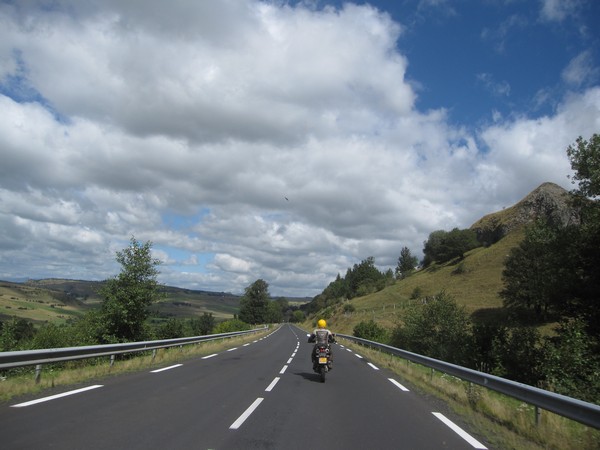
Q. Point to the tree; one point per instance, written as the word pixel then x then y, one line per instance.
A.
pixel 406 263
pixel 585 161
pixel 443 246
pixel 254 303
pixel 128 296
pixel 202 325
pixel 439 329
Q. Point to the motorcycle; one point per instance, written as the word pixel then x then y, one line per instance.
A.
pixel 322 360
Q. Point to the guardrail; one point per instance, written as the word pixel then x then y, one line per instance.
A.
pixel 583 412
pixel 36 358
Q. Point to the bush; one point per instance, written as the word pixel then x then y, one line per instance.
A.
pixel 371 331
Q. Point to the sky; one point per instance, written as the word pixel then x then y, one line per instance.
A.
pixel 278 140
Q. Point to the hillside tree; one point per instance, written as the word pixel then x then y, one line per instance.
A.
pixel 406 263
pixel 128 296
pixel 254 304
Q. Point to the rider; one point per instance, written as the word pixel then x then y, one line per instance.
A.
pixel 321 335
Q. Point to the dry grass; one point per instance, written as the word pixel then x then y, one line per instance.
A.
pixel 22 382
pixel 505 422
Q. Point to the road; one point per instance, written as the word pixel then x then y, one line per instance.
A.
pixel 262 395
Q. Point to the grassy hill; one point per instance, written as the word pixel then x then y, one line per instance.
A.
pixel 474 282
pixel 57 300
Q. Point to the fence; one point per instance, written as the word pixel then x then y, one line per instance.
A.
pixel 36 358
pixel 583 412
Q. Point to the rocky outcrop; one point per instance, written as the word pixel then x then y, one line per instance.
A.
pixel 549 202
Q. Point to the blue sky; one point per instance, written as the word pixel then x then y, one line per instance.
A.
pixel 278 140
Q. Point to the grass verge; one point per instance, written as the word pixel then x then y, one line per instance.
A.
pixel 505 422
pixel 21 381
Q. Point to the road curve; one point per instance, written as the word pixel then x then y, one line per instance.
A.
pixel 262 395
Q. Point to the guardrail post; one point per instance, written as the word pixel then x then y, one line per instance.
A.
pixel 538 416
pixel 153 354
pixel 112 360
pixel 38 373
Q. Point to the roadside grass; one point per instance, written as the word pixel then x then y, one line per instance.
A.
pixel 19 382
pixel 505 422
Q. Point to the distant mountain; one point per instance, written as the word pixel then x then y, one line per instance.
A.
pixel 549 201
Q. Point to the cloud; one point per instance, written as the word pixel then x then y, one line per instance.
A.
pixel 496 88
pixel 581 70
pixel 559 10
pixel 188 125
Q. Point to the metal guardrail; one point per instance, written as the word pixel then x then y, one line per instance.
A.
pixel 578 410
pixel 51 355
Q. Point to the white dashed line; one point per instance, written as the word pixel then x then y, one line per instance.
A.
pixel 246 345
pixel 54 397
pixel 373 366
pixel 166 368
pixel 282 371
pixel 272 385
pixel 232 349
pixel 358 356
pixel 210 356
pixel 290 361
pixel 462 433
pixel 398 384
pixel 238 423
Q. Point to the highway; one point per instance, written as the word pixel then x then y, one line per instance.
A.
pixel 261 395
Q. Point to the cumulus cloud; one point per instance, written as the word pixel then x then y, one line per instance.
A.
pixel 190 125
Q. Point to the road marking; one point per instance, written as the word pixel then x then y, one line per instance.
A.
pixel 238 423
pixel 290 360
pixel 358 356
pixel 246 345
pixel 462 433
pixel 398 384
pixel 272 385
pixel 166 368
pixel 373 366
pixel 293 354
pixel 232 349
pixel 282 371
pixel 348 350
pixel 54 397
pixel 209 356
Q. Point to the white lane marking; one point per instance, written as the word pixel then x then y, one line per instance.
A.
pixel 246 345
pixel 290 360
pixel 232 349
pixel 348 350
pixel 272 385
pixel 282 371
pixel 54 397
pixel 358 356
pixel 373 366
pixel 398 384
pixel 166 368
pixel 254 342
pixel 210 356
pixel 341 346
pixel 462 433
pixel 293 354
pixel 238 423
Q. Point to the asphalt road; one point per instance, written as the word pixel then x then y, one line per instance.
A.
pixel 262 395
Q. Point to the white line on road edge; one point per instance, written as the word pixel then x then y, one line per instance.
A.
pixel 348 350
pixel 373 366
pixel 166 368
pixel 246 345
pixel 272 385
pixel 53 397
pixel 398 384
pixel 358 356
pixel 232 349
pixel 238 423
pixel 283 370
pixel 290 360
pixel 462 433
pixel 209 356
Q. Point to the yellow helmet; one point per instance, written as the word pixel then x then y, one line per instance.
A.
pixel 322 324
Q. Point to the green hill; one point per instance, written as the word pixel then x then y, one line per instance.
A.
pixel 474 282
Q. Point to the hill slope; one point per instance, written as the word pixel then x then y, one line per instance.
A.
pixel 474 282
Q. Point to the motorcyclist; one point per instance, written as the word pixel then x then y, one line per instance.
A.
pixel 321 335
